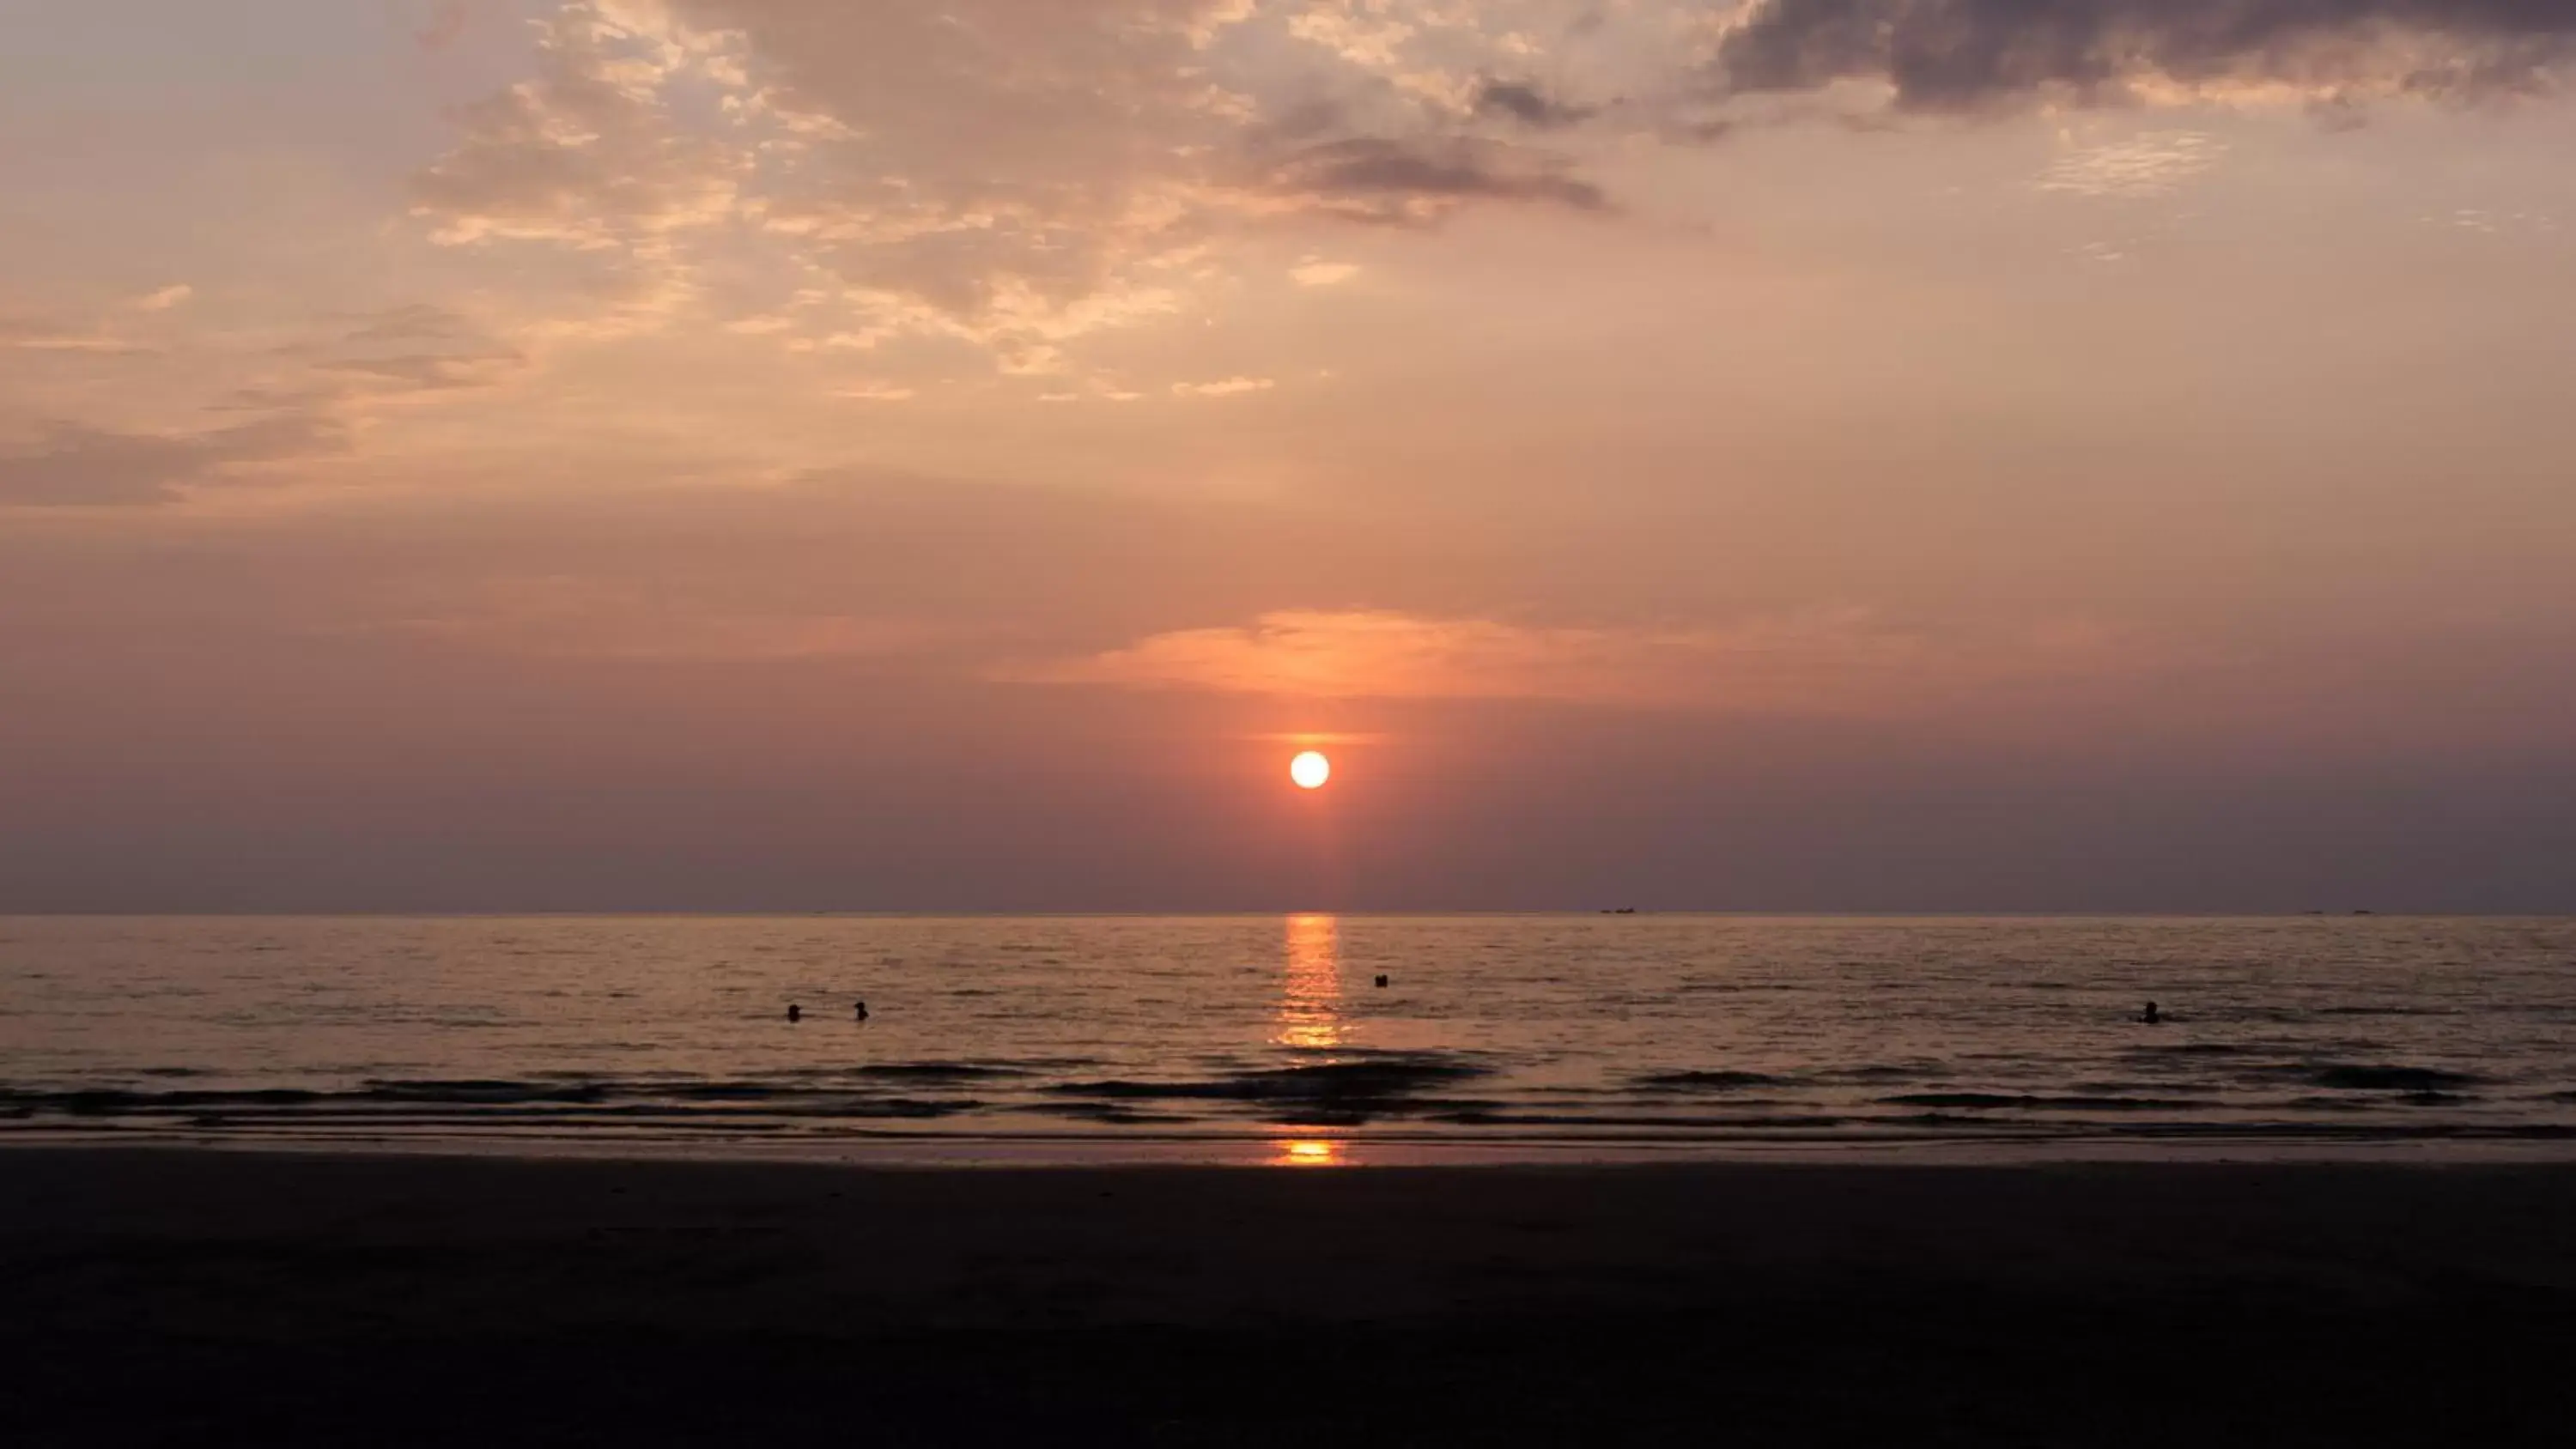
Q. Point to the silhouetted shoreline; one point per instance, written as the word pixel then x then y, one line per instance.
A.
pixel 158 1295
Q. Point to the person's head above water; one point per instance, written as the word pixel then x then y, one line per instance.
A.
pixel 795 1012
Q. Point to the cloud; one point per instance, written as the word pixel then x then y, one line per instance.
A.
pixel 1415 181
pixel 31 335
pixel 284 392
pixel 1966 55
pixel 1005 174
pixel 1316 273
pixel 445 25
pixel 1526 103
pixel 1829 660
pixel 1361 33
pixel 164 299
pixel 1229 387
pixel 428 371
pixel 1015 176
pixel 408 351
pixel 75 465
pixel 414 323
pixel 2497 223
pixel 584 153
pixel 2155 164
pixel 1025 179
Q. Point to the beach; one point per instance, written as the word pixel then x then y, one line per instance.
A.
pixel 190 1296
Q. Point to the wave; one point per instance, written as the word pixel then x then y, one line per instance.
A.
pixel 1877 1074
pixel 1989 1100
pixel 1107 1114
pixel 938 1072
pixel 593 1097
pixel 1418 1092
pixel 1708 1081
pixel 1344 1092
pixel 1749 1123
pixel 2345 1077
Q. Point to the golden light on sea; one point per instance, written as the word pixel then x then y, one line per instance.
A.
pixel 1310 770
pixel 1326 1152
pixel 1310 1015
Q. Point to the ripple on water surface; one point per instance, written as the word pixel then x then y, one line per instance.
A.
pixel 1492 1030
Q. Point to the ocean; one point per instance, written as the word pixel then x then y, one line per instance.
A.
pixel 1269 1039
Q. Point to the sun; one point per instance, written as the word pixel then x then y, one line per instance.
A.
pixel 1310 770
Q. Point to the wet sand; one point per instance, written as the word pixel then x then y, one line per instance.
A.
pixel 177 1296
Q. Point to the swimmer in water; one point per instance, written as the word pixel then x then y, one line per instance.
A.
pixel 795 1012
pixel 860 1011
pixel 2151 1016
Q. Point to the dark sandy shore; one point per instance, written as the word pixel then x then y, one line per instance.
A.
pixel 186 1297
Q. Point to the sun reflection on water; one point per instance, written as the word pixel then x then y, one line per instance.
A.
pixel 1310 1014
pixel 1310 1019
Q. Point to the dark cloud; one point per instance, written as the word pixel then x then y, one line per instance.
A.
pixel 1385 180
pixel 1954 55
pixel 1526 103
pixel 74 465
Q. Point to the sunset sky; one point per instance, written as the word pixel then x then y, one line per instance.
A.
pixel 950 454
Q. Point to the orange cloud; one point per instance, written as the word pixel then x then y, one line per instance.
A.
pixel 1227 387
pixel 1018 177
pixel 1810 659
pixel 1827 660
